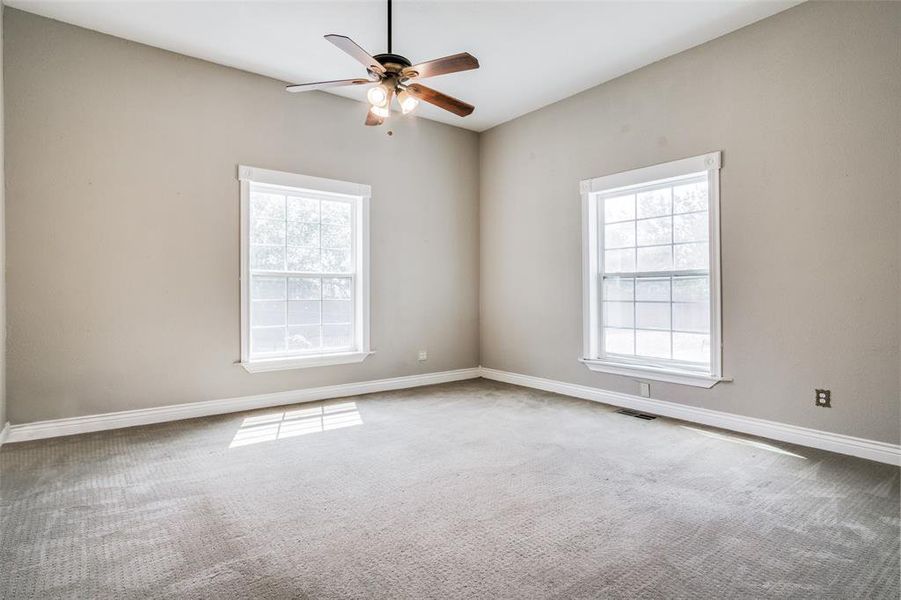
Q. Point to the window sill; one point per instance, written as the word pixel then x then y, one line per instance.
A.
pixel 654 374
pixel 303 362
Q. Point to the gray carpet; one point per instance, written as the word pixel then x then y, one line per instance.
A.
pixel 467 490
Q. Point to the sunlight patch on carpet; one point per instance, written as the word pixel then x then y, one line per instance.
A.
pixel 743 441
pixel 295 422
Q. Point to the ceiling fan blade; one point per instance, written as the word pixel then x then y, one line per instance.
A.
pixel 321 85
pixel 350 47
pixel 426 94
pixel 442 66
pixel 373 120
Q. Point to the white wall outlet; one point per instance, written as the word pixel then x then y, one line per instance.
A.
pixel 644 389
pixel 423 355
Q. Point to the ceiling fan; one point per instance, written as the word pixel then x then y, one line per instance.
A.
pixel 393 75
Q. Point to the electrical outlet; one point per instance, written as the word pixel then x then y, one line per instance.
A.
pixel 423 355
pixel 824 398
pixel 644 389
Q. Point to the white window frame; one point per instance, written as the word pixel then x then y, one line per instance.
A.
pixel 592 256
pixel 359 195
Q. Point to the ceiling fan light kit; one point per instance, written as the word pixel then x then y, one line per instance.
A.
pixel 377 95
pixel 407 102
pixel 392 75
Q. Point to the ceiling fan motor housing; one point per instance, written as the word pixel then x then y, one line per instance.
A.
pixel 396 59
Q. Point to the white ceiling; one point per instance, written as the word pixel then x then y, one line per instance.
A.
pixel 532 53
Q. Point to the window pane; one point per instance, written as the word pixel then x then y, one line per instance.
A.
pixel 337 311
pixel 690 228
pixel 619 209
pixel 652 289
pixel 690 197
pixel 267 206
pixel 691 316
pixel 652 315
pixel 619 261
pixel 267 231
pixel 267 339
pixel 267 288
pixel 267 258
pixel 619 235
pixel 691 289
pixel 655 344
pixel 303 312
pixel 619 341
pixel 335 213
pixel 655 258
pixel 655 231
pixel 267 312
pixel 618 289
pixel 336 261
pixel 618 314
pixel 303 259
pixel 303 234
pixel 336 288
pixel 692 347
pixel 303 288
pixel 337 336
pixel 691 256
pixel 304 337
pixel 335 236
pixel 654 203
pixel 303 209
pixel 660 317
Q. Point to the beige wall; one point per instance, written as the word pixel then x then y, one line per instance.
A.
pixel 806 107
pixel 122 225
pixel 122 211
pixel 2 246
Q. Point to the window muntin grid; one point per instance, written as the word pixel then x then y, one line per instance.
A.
pixel 654 261
pixel 302 264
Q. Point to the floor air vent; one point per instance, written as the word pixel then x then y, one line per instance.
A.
pixel 638 415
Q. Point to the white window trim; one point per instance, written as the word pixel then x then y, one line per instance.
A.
pixel 319 187
pixel 590 188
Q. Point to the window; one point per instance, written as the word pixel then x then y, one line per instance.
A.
pixel 651 272
pixel 304 271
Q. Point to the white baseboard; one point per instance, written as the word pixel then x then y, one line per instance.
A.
pixel 130 418
pixel 813 438
pixel 843 444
